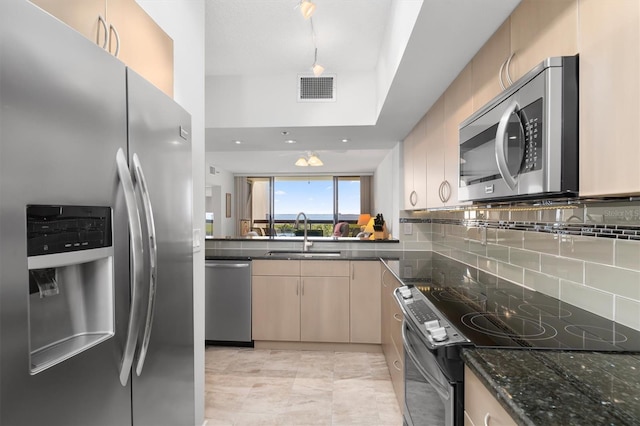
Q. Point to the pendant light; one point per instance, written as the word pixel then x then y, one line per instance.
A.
pixel 307 8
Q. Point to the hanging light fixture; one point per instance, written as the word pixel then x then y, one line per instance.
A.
pixel 311 159
pixel 317 68
pixel 307 8
pixel 315 161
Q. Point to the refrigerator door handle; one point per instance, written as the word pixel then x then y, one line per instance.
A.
pixel 135 237
pixel 153 261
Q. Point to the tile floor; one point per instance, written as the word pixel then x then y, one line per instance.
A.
pixel 246 386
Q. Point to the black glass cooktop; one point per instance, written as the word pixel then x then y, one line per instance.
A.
pixel 492 312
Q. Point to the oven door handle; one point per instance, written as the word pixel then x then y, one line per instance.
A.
pixel 501 150
pixel 442 391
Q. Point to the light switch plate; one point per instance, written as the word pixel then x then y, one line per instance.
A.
pixel 196 240
pixel 407 229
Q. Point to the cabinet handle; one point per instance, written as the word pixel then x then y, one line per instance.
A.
pixel 353 272
pixel 500 72
pixel 395 364
pixel 397 317
pixel 440 193
pixel 446 191
pixel 303 287
pixel 115 32
pixel 487 417
pixel 506 68
pixel 106 32
pixel 413 198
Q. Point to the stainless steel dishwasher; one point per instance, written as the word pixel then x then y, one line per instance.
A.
pixel 228 302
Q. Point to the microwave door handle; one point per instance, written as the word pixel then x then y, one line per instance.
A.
pixel 501 151
pixel 135 236
pixel 153 261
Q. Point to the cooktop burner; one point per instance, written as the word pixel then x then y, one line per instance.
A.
pixel 491 312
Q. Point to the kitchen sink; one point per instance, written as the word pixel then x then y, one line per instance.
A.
pixel 303 255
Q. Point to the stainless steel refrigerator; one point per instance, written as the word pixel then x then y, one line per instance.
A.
pixel 96 298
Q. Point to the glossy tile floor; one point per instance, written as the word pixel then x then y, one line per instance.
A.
pixel 280 387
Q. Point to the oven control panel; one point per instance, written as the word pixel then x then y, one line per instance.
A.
pixel 417 309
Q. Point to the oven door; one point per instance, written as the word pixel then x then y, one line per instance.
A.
pixel 429 397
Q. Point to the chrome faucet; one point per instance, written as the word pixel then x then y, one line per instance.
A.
pixel 306 243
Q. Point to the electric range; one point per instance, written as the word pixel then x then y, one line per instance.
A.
pixel 448 305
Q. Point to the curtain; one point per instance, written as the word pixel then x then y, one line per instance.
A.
pixel 365 195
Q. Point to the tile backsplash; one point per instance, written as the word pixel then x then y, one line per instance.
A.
pixel 585 254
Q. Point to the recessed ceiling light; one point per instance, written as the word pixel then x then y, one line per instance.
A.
pixel 345 140
pixel 237 142
pixel 290 141
pixel 284 133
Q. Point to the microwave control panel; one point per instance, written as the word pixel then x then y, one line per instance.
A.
pixel 532 121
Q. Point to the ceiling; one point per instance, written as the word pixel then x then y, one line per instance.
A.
pixel 267 38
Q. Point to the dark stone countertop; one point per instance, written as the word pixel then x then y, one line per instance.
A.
pixel 251 254
pixel 561 388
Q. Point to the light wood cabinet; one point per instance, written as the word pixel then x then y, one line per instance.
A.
pixel 609 97
pixel 486 65
pixel 458 103
pixel 435 154
pixel 144 46
pixel 415 162
pixel 275 300
pixel 138 41
pixel 392 333
pixel 324 309
pixel 542 28
pixel 324 302
pixel 295 300
pixel 275 308
pixel 480 407
pixel 365 302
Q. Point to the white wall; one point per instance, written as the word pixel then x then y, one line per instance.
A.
pixel 271 101
pixel 386 190
pixel 403 15
pixel 183 21
pixel 223 225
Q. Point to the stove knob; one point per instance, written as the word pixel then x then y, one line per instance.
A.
pixel 406 293
pixel 438 334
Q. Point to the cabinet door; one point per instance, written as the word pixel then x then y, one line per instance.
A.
pixel 365 302
pixel 407 161
pixel 543 28
pixel 480 405
pixel 82 15
pixel 609 97
pixel 435 148
pixel 486 66
pixel 144 46
pixel 324 309
pixel 457 107
pixel 275 308
pixel 415 159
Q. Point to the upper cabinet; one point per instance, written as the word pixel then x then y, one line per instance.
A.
pixel 436 182
pixel 488 66
pixel 457 107
pixel 609 97
pixel 414 159
pixel 124 29
pixel 539 29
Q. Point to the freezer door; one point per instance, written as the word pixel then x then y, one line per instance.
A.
pixel 63 118
pixel 160 138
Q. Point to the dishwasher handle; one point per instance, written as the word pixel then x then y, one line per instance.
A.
pixel 226 265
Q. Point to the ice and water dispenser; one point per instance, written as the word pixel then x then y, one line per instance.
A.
pixel 71 287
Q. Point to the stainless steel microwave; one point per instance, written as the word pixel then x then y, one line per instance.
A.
pixel 524 143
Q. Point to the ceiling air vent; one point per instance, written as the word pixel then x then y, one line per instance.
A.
pixel 316 89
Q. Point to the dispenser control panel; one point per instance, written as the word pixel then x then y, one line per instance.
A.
pixel 59 229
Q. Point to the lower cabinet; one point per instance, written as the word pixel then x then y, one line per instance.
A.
pixel 364 301
pixel 392 333
pixel 309 301
pixel 275 300
pixel 480 407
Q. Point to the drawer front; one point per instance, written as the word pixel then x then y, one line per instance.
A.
pixel 276 267
pixel 480 405
pixel 324 268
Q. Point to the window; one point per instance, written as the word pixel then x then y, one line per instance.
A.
pixel 325 200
